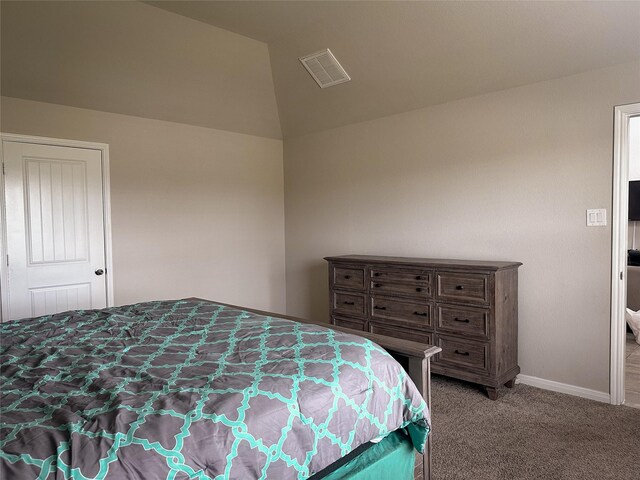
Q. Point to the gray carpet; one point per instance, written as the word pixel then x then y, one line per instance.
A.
pixel 529 433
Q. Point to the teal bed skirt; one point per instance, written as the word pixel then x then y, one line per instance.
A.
pixel 393 457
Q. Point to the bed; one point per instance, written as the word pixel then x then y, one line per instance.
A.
pixel 199 389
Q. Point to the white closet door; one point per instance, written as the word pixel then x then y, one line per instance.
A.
pixel 55 229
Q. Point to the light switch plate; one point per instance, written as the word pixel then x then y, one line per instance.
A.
pixel 597 217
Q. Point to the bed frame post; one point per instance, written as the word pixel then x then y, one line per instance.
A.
pixel 420 373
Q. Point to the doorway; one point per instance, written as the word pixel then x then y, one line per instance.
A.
pixel 56 247
pixel 623 116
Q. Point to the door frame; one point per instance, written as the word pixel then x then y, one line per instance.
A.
pixel 103 148
pixel 619 232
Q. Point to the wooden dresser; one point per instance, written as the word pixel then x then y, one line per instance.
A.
pixel 467 308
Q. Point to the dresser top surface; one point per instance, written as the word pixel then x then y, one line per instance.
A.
pixel 426 262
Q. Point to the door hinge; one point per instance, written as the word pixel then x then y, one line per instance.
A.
pixel 7 260
pixel 2 168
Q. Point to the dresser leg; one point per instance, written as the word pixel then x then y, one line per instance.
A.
pixel 510 383
pixel 492 393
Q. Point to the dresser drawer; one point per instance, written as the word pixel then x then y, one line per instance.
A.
pixel 463 320
pixel 466 354
pixel 349 277
pixel 463 287
pixel 403 333
pixel 383 308
pixel 422 291
pixel 349 303
pixel 352 323
pixel 401 276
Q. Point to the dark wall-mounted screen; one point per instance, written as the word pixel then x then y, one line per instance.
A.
pixel 634 200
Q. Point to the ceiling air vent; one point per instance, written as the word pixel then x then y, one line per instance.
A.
pixel 324 68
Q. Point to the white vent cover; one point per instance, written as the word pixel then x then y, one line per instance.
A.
pixel 324 68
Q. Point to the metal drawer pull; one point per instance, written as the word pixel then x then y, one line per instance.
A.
pixel 347 277
pixel 379 308
pixel 418 289
pixel 377 285
pixel 377 274
pixel 420 314
pixel 420 277
pixel 466 354
pixel 349 303
pixel 459 287
pixel 464 320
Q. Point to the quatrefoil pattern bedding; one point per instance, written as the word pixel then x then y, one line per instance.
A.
pixel 192 389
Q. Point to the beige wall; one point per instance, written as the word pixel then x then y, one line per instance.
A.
pixel 504 176
pixel 195 211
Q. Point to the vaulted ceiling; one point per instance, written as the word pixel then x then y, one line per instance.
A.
pixel 406 55
pixel 155 61
pixel 135 59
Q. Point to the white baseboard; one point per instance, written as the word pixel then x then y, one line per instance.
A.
pixel 564 388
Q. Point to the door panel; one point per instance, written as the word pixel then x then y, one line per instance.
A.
pixel 55 228
pixel 56 210
pixel 59 298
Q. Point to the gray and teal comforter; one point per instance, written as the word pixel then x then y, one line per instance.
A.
pixel 191 389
